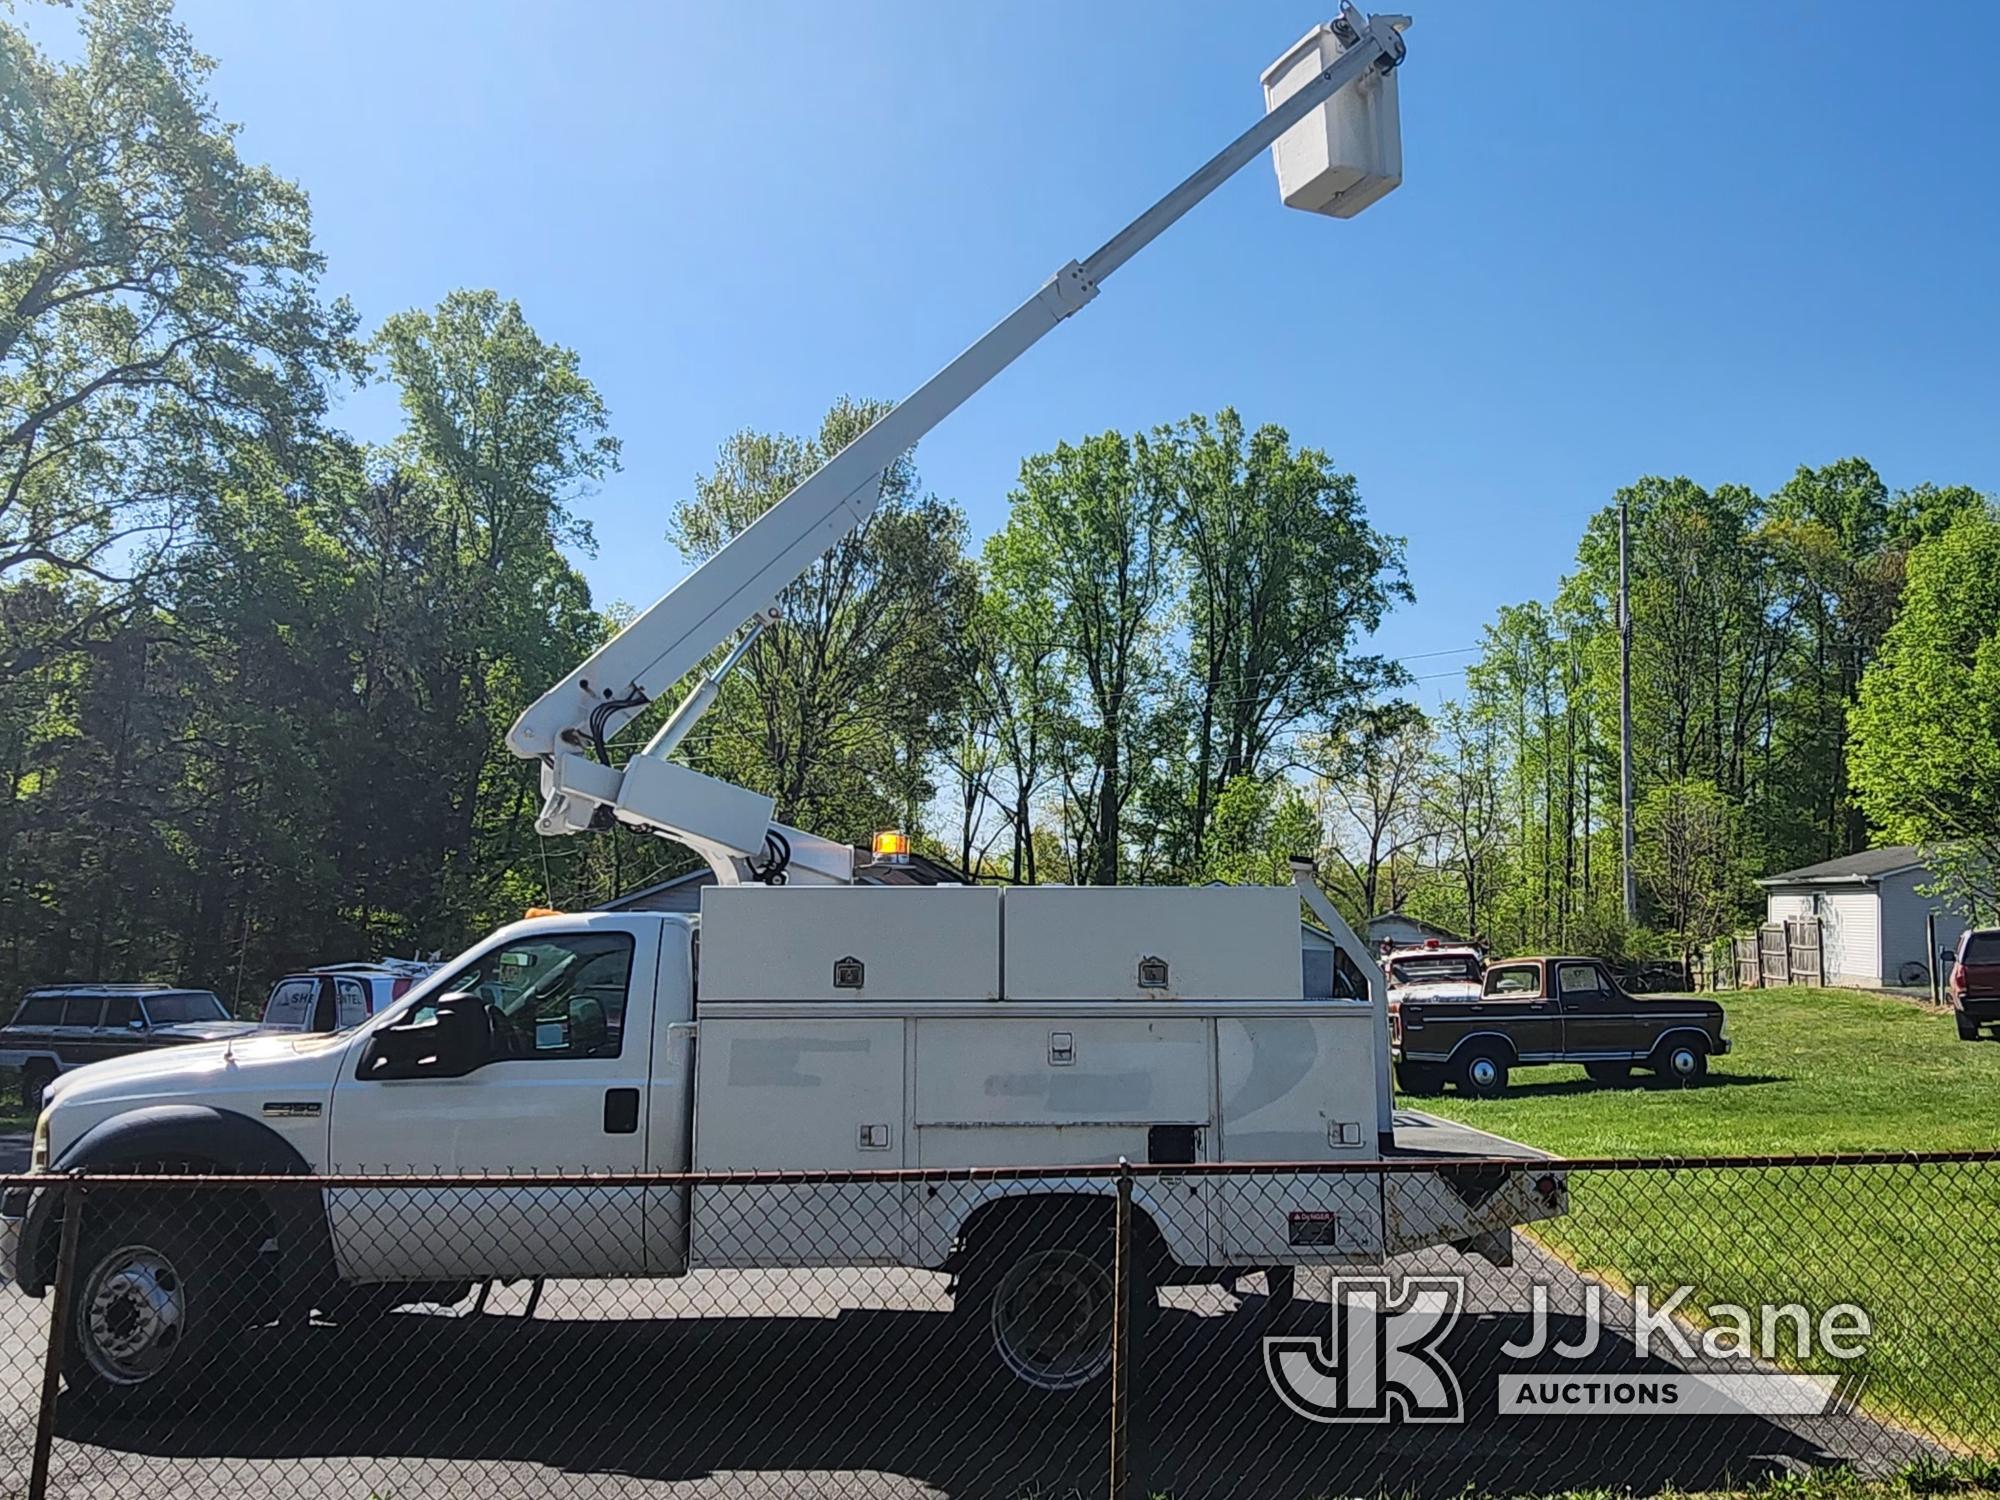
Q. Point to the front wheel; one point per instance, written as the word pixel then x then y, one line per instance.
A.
pixel 1420 1079
pixel 152 1309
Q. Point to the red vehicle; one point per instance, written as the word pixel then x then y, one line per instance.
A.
pixel 1975 981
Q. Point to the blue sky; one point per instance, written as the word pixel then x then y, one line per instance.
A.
pixel 1622 246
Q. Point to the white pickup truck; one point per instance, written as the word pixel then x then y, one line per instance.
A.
pixel 822 1028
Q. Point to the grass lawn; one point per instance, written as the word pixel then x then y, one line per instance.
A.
pixel 1972 1479
pixel 1811 1071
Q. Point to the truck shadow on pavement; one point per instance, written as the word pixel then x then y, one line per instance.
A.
pixel 896 1392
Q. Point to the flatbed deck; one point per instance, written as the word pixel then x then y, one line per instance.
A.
pixel 1421 1135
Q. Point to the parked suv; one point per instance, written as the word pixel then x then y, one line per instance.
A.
pixel 1552 1010
pixel 65 1026
pixel 1975 981
pixel 337 996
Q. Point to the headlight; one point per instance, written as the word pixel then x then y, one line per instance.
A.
pixel 38 1161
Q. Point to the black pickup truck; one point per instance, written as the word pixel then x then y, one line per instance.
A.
pixel 65 1026
pixel 1553 1010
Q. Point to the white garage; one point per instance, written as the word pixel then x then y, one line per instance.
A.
pixel 1871 915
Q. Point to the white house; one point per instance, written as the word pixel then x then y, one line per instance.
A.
pixel 1871 915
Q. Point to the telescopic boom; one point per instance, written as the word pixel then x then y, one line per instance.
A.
pixel 737 589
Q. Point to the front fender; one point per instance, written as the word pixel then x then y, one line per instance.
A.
pixel 177 1139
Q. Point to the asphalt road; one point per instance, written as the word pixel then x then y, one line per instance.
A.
pixel 848 1384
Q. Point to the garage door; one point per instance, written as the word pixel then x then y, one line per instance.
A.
pixel 1851 928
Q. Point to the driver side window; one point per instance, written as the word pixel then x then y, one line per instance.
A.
pixel 554 996
pixel 1581 982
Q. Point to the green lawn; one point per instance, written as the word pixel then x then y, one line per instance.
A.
pixel 1812 1071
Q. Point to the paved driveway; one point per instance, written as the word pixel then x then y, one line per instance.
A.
pixel 848 1384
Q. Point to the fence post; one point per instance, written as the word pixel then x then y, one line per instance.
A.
pixel 1931 958
pixel 1121 1335
pixel 59 1295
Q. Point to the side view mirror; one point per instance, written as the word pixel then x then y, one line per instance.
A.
pixel 455 1041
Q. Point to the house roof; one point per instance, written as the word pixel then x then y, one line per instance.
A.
pixel 1865 868
pixel 920 870
pixel 1443 934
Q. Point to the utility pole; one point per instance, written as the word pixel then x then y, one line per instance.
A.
pixel 1625 722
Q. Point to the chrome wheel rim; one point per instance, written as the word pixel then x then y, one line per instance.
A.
pixel 1683 1061
pixel 1052 1319
pixel 1483 1072
pixel 134 1315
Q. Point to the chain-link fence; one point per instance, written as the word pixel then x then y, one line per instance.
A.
pixel 1193 1330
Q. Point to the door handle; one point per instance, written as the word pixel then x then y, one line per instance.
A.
pixel 621 1111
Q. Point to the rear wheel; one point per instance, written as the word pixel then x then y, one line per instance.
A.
pixel 1482 1072
pixel 1968 1029
pixel 1042 1300
pixel 1609 1074
pixel 1681 1063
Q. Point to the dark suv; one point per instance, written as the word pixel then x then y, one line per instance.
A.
pixel 65 1026
pixel 1553 1010
pixel 1975 981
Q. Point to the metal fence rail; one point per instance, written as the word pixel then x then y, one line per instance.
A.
pixel 1688 1323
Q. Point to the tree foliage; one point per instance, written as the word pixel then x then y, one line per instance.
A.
pixel 1926 728
pixel 840 706
pixel 159 309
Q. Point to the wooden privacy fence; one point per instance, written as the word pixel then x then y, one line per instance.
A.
pixel 1787 952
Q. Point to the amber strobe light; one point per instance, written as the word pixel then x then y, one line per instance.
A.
pixel 892 848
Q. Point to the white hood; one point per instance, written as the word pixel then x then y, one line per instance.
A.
pixel 1436 989
pixel 241 1076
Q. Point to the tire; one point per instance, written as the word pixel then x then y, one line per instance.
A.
pixel 1482 1073
pixel 1420 1079
pixel 35 1080
pixel 1041 1304
pixel 157 1303
pixel 1681 1064
pixel 1968 1031
pixel 1610 1075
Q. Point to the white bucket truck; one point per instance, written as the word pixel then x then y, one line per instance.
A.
pixel 814 1025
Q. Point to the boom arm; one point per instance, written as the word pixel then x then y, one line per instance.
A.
pixel 741 583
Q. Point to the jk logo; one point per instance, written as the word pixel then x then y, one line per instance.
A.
pixel 1381 1361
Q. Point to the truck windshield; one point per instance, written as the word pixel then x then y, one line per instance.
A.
pixel 193 1005
pixel 1431 968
